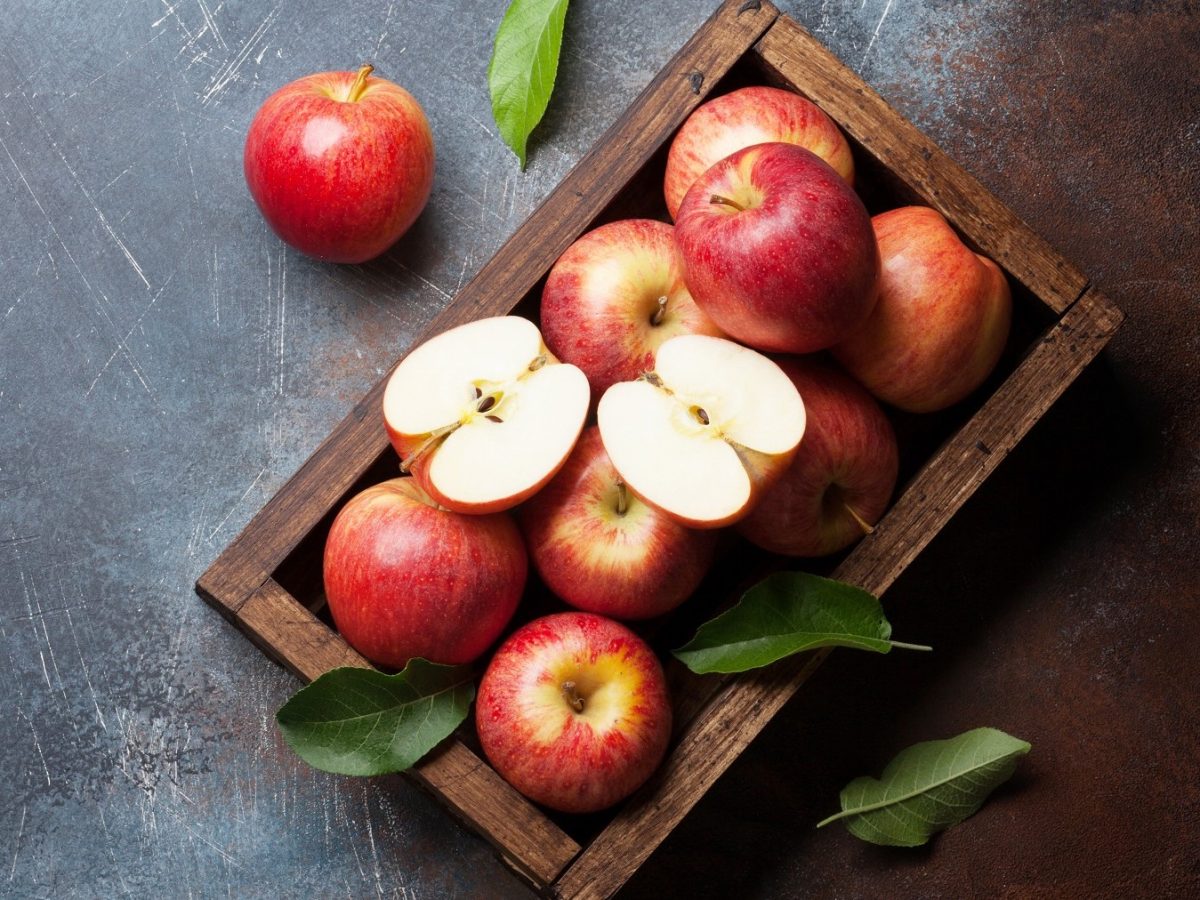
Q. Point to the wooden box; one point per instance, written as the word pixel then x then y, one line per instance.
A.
pixel 268 581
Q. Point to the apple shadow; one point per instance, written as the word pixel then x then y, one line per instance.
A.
pixel 858 710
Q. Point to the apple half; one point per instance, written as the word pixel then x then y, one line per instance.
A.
pixel 706 432
pixel 483 415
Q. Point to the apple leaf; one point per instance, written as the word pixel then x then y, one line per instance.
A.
pixel 929 787
pixel 354 721
pixel 786 613
pixel 523 66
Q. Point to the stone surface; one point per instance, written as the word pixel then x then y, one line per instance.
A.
pixel 165 364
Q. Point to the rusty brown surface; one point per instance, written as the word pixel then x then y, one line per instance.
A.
pixel 1064 601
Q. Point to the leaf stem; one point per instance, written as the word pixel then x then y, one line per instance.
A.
pixel 904 646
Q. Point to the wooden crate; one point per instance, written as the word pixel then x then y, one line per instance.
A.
pixel 267 582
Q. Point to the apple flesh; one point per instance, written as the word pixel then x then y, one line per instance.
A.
pixel 842 477
pixel 573 711
pixel 405 578
pixel 614 297
pixel 707 431
pixel 340 164
pixel 743 118
pixel 483 415
pixel 778 249
pixel 601 549
pixel 942 319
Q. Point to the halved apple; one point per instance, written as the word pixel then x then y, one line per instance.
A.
pixel 706 432
pixel 483 415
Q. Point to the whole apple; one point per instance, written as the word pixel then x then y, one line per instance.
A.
pixel 842 477
pixel 778 250
pixel 405 578
pixel 601 549
pixel 742 118
pixel 942 318
pixel 614 297
pixel 340 164
pixel 573 711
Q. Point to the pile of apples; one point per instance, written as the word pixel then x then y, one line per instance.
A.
pixel 663 331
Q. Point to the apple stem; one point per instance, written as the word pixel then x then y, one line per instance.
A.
pixel 622 497
pixel 866 526
pixel 725 201
pixel 657 317
pixel 572 696
pixel 435 437
pixel 360 83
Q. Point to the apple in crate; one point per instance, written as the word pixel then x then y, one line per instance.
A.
pixel 340 164
pixel 601 549
pixel 742 118
pixel 842 477
pixel 705 433
pixel 941 321
pixel 405 577
pixel 778 250
pixel 614 297
pixel 573 711
pixel 483 415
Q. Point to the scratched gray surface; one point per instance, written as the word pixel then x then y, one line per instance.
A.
pixel 165 364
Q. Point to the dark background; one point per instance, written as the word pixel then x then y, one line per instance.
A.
pixel 165 364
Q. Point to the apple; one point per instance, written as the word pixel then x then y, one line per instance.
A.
pixel 340 164
pixel 573 711
pixel 614 297
pixel 704 434
pixel 405 577
pixel 601 549
pixel 742 118
pixel 778 249
pixel 942 318
pixel 842 477
pixel 483 415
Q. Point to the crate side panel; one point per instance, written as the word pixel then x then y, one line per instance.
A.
pixel 799 59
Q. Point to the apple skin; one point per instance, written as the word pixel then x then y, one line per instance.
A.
pixel 797 269
pixel 742 118
pixel 601 300
pixel 340 179
pixel 848 458
pixel 942 319
pixel 573 761
pixel 635 564
pixel 405 578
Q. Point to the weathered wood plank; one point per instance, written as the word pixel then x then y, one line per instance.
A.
pixel 744 705
pixel 359 439
pixel 528 840
pixel 801 60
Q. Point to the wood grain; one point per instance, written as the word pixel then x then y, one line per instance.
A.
pixel 358 440
pixel 802 61
pixel 467 785
pixel 742 706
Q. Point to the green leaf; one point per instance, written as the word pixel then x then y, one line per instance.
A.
pixel 523 65
pixel 929 787
pixel 362 722
pixel 784 614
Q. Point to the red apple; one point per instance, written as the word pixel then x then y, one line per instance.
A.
pixel 340 164
pixel 941 321
pixel 573 711
pixel 601 549
pixel 742 118
pixel 842 477
pixel 614 297
pixel 405 577
pixel 778 249
pixel 706 433
pixel 483 415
